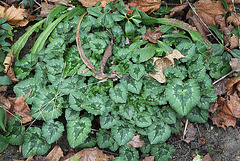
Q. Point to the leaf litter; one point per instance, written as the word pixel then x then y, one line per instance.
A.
pixel 136 142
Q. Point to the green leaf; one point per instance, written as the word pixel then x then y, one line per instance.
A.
pixel 175 128
pixel 145 148
pixel 3 143
pixel 15 131
pixel 198 115
pixel 52 131
pixel 179 72
pixel 136 71
pixel 3 119
pixel 104 140
pixel 143 119
pixel 127 111
pixel 162 151
pixel 128 153
pixel 107 121
pixel 121 7
pixel 34 143
pixel 118 93
pixel 165 47
pixel 122 134
pixel 6 26
pixel 197 70
pixel 135 86
pixel 95 11
pixel 183 96
pixel 168 115
pixel 158 132
pixel 146 53
pixel 2 20
pixel 129 28
pixel 117 16
pixel 71 114
pixel 188 50
pixel 5 81
pixel 75 99
pixel 17 46
pixel 218 33
pixel 88 143
pixel 78 130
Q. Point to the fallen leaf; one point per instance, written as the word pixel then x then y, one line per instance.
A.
pixel 150 158
pixel 69 155
pixel 238 86
pixel 11 75
pixel 219 88
pixel 55 154
pixel 235 64
pixel 136 142
pixel 21 108
pixel 233 104
pixel 40 158
pixel 220 20
pixel 227 32
pixel 7 62
pixel 234 42
pixel 207 157
pixel 3 88
pixel 209 12
pixel 30 158
pixel 178 10
pixel 90 3
pixel 45 9
pixel 60 2
pixel 5 103
pixel 230 82
pixel 163 63
pixel 91 154
pixel 191 132
pixel 148 6
pixel 234 19
pixel 152 36
pixel 16 16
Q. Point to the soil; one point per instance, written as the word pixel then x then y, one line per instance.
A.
pixel 220 144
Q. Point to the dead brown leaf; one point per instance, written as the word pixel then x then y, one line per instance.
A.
pixel 46 8
pixel 148 6
pixel 69 155
pixel 11 75
pixel 219 88
pixel 152 36
pixel 235 64
pixel 90 3
pixel 234 42
pixel 191 132
pixel 5 103
pixel 91 154
pixel 3 88
pixel 163 63
pixel 150 158
pixel 136 142
pixel 21 108
pixel 238 86
pixel 230 82
pixel 207 157
pixel 234 19
pixel 233 104
pixel 15 15
pixel 55 154
pixel 60 2
pixel 208 10
pixel 178 10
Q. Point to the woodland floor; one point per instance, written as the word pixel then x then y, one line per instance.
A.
pixel 220 144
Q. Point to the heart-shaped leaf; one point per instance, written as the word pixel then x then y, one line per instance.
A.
pixel 3 118
pixel 52 131
pixel 107 121
pixel 122 134
pixel 136 71
pixel 128 153
pixel 78 131
pixel 118 93
pixel 183 96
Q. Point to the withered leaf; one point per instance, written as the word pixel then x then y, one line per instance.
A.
pixel 148 6
pixel 238 86
pixel 233 104
pixel 91 154
pixel 60 2
pixel 150 158
pixel 178 10
pixel 234 19
pixel 90 3
pixel 234 42
pixel 45 9
pixel 219 88
pixel 207 157
pixel 152 36
pixel 136 142
pixel 163 63
pixel 235 64
pixel 3 88
pixel 5 103
pixel 16 16
pixel 191 132
pixel 11 75
pixel 230 82
pixel 55 154
pixel 21 108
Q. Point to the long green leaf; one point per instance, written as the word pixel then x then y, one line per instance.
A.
pixel 39 44
pixel 17 47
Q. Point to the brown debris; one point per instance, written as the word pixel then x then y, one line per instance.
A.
pixel 55 154
pixel 3 88
pixel 148 6
pixel 178 10
pixel 90 3
pixel 235 64
pixel 191 132
pixel 207 157
pixel 234 19
pixel 234 42
pixel 136 142
pixel 219 88
pixel 46 8
pixel 150 158
pixel 152 36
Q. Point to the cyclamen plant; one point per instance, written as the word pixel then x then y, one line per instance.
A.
pixel 135 103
